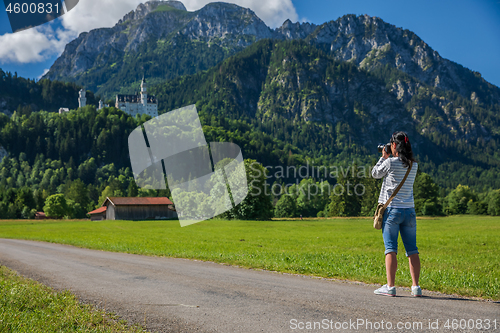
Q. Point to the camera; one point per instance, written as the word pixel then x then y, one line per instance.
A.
pixel 387 148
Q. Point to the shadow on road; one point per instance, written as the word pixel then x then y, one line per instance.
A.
pixel 448 298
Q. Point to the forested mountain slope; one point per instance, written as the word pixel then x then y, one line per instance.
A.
pixel 160 40
pixel 282 88
pixel 25 95
pixel 163 40
pixel 297 95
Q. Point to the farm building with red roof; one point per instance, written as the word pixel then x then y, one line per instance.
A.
pixel 98 215
pixel 116 208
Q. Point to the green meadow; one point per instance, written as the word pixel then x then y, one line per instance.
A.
pixel 28 306
pixel 459 254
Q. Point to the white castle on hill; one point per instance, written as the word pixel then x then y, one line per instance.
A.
pixel 138 104
pixel 131 104
pixel 82 100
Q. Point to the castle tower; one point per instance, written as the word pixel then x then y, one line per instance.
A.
pixel 101 104
pixel 144 95
pixel 82 101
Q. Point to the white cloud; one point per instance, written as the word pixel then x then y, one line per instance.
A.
pixel 33 45
pixel 24 46
pixel 45 71
pixel 40 43
pixel 93 14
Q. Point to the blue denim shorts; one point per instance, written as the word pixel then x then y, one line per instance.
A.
pixel 400 221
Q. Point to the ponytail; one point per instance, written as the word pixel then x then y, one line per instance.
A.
pixel 403 147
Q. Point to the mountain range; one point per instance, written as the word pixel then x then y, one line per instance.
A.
pixel 350 82
pixel 157 28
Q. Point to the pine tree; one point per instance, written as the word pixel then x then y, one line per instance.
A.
pixel 133 190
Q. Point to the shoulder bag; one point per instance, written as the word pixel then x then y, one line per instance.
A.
pixel 379 213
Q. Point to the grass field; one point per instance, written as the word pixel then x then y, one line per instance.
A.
pixel 27 306
pixel 460 254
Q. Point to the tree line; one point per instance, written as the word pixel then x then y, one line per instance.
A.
pixel 27 95
pixel 350 194
pixel 237 101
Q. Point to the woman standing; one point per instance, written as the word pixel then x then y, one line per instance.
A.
pixel 399 217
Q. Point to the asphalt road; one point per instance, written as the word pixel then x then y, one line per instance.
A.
pixel 179 295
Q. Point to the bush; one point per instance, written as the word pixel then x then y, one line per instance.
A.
pixel 432 208
pixel 458 200
pixel 257 205
pixel 419 206
pixel 28 213
pixel 56 206
pixel 75 210
pixel 477 207
pixel 494 203
pixel 285 207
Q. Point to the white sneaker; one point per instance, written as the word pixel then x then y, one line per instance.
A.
pixel 386 291
pixel 416 291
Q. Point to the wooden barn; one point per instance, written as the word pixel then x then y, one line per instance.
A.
pixel 98 215
pixel 40 216
pixel 116 208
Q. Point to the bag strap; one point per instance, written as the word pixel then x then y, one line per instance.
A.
pixel 399 186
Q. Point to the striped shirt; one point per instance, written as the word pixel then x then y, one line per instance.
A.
pixel 394 172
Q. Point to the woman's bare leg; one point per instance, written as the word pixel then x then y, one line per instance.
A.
pixel 391 266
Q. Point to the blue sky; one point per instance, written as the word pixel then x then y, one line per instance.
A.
pixel 464 31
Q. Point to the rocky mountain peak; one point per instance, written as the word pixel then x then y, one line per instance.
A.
pixel 366 41
pixel 175 4
pixel 296 30
pixel 369 42
pixel 221 20
pixel 146 8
